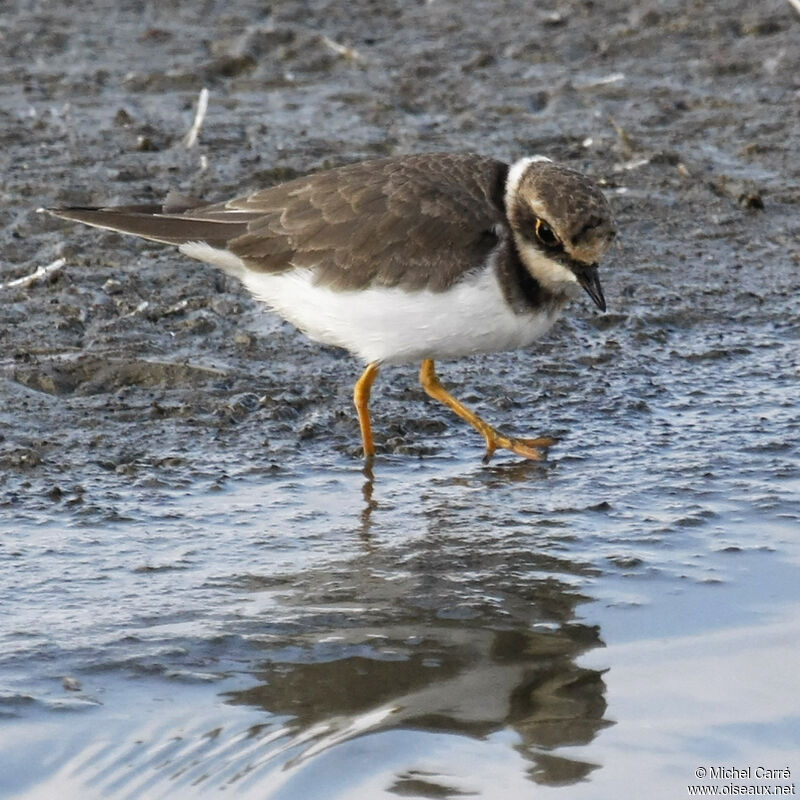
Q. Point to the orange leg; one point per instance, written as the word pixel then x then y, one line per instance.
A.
pixel 529 448
pixel 361 399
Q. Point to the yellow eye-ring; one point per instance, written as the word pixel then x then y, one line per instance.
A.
pixel 544 233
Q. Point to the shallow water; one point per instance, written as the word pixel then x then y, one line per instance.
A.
pixel 203 591
pixel 626 612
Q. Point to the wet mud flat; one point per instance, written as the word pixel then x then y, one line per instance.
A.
pixel 204 591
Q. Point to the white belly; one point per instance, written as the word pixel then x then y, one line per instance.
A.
pixel 395 326
pixel 392 325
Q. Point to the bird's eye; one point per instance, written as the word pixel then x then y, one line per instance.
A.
pixel 544 233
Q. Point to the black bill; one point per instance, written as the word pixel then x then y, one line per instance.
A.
pixel 590 281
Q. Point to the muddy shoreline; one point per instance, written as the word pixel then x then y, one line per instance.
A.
pixel 691 138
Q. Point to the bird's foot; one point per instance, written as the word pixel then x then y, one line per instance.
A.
pixel 534 449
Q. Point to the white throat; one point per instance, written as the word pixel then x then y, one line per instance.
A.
pixel 551 275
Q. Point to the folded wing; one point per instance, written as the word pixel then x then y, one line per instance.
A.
pixel 414 221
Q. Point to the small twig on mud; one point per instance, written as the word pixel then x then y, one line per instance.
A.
pixel 190 140
pixel 350 53
pixel 634 163
pixel 35 277
pixel 606 80
pixel 624 138
pixel 796 4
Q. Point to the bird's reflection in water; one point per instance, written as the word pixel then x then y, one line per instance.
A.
pixel 457 632
pixel 461 681
pixel 367 492
pixel 490 476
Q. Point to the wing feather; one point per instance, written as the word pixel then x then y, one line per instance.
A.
pixel 414 221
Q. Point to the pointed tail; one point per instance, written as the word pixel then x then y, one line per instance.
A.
pixel 173 223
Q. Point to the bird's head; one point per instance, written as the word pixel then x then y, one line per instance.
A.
pixel 562 226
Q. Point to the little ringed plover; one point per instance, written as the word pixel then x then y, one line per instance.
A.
pixel 405 259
